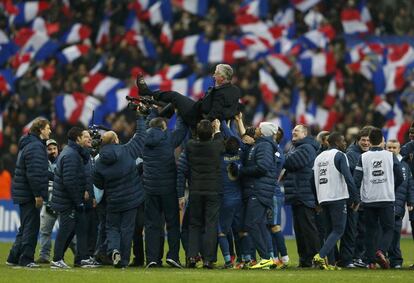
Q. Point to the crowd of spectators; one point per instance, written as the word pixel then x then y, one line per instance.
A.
pixel 32 98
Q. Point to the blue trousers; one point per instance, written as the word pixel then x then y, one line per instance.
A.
pixel 394 252
pixel 348 239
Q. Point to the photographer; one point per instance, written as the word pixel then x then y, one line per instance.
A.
pixel 48 217
pixel 116 173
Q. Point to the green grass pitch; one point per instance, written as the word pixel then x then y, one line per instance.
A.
pixel 167 275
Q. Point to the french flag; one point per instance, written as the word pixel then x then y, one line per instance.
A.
pixel 318 65
pixel 6 81
pixel 76 33
pixel 325 119
pixel 251 11
pixel 103 35
pixel 172 72
pixel 285 17
pixel 166 36
pixel 255 46
pixel 280 63
pixel 71 53
pixel 304 5
pixel 186 46
pixel 7 50
pixel 268 86
pixel 200 87
pixel 100 85
pixel 159 13
pixel 98 66
pixel 195 7
pixel 183 86
pixel 147 47
pixel 77 107
pixel 66 10
pixel 21 63
pixel 28 11
pixel 45 73
pixel 115 101
pixel 286 46
pixel 259 115
pixel 356 20
pixel 330 96
pixel 319 38
pixel 132 22
pixel 388 78
pixel 40 25
pixel 399 55
pixel 42 46
pixel 4 39
pixel 226 51
pixel 383 107
pixel 298 103
pixel 142 5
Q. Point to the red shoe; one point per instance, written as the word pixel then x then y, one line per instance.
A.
pixel 382 260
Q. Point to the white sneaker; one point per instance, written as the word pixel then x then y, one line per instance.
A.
pixel 59 264
pixel 89 263
pixel 116 258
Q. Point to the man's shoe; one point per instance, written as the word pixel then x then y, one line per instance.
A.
pixel 228 265
pixel 59 264
pixel 31 265
pixel 350 266
pixel 208 265
pixel 264 263
pixel 42 260
pixel 142 86
pixel 359 263
pixel 382 260
pixel 152 264
pixel 191 262
pixel 320 262
pixel 89 263
pixel 9 263
pixel 173 263
pixel 398 266
pixel 116 258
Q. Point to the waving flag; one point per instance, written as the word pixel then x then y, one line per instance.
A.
pixel 259 114
pixel 304 5
pixel 227 51
pixel 280 63
pixel 159 13
pixel 77 108
pixel 40 44
pixel 6 81
pixel 104 35
pixel 115 101
pixel 186 46
pixel 196 7
pixel 251 11
pixel 356 20
pixel 144 44
pixel 132 22
pixel 200 87
pixel 76 33
pixel 100 85
pixel 28 11
pixel 268 86
pixel 40 25
pixel 285 17
pixel 388 78
pixel 22 63
pixel 172 71
pixel 399 55
pixel 183 86
pixel 166 36
pixel 71 53
pixel 319 38
pixel 318 65
pixel 256 47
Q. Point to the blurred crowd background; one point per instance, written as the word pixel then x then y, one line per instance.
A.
pixel 270 45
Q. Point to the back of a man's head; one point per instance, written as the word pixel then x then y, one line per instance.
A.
pixel 74 133
pixel 38 125
pixel 204 130
pixel 375 136
pixel 109 137
pixel 158 123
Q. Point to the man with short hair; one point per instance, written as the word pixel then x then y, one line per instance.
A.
pixel 70 192
pixel 48 216
pixel 299 193
pixel 116 173
pixel 404 195
pixel 377 173
pixel 29 189
pixel 220 102
pixel 334 185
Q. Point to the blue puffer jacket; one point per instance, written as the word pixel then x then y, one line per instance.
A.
pixel 407 152
pixel 31 173
pixel 231 186
pixel 160 171
pixel 183 174
pixel 259 176
pixel 353 153
pixel 298 165
pixel 404 192
pixel 70 182
pixel 116 172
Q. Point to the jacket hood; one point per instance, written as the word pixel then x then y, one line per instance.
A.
pixel 25 140
pixel 108 154
pixel 154 137
pixel 308 140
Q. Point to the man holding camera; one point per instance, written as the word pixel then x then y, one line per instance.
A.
pixel 116 173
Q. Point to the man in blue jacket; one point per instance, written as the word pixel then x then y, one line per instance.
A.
pixel 259 178
pixel 29 189
pixel 404 195
pixel 116 173
pixel 298 193
pixel 161 199
pixel 70 192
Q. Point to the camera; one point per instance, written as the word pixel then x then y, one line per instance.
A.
pixel 141 104
pixel 96 137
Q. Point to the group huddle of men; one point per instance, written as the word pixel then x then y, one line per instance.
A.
pixel 238 180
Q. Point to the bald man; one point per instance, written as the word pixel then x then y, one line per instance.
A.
pixel 116 173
